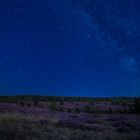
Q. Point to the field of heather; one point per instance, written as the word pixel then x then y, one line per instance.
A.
pixel 49 119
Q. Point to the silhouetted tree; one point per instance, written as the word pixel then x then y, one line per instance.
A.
pixel 137 105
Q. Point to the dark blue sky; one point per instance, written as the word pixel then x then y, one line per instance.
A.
pixel 70 47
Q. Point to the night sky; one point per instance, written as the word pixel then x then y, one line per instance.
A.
pixel 70 47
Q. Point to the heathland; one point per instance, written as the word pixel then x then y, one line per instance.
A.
pixel 69 118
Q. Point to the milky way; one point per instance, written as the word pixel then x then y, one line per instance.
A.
pixel 70 47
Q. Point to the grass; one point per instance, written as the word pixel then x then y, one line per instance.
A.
pixel 57 120
pixel 17 126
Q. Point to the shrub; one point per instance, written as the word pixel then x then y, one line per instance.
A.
pixel 16 127
pixel 28 104
pixel 137 106
pixel 124 111
pixel 69 110
pixel 123 129
pixel 61 103
pixel 22 103
pixel 87 109
pixel 53 106
pixel 77 110
pixel 36 102
pixel 61 109
pixel 109 110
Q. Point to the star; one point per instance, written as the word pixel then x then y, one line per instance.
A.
pixel 76 47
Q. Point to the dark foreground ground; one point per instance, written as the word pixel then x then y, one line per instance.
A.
pixel 35 119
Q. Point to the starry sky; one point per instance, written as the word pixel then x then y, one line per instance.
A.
pixel 70 47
